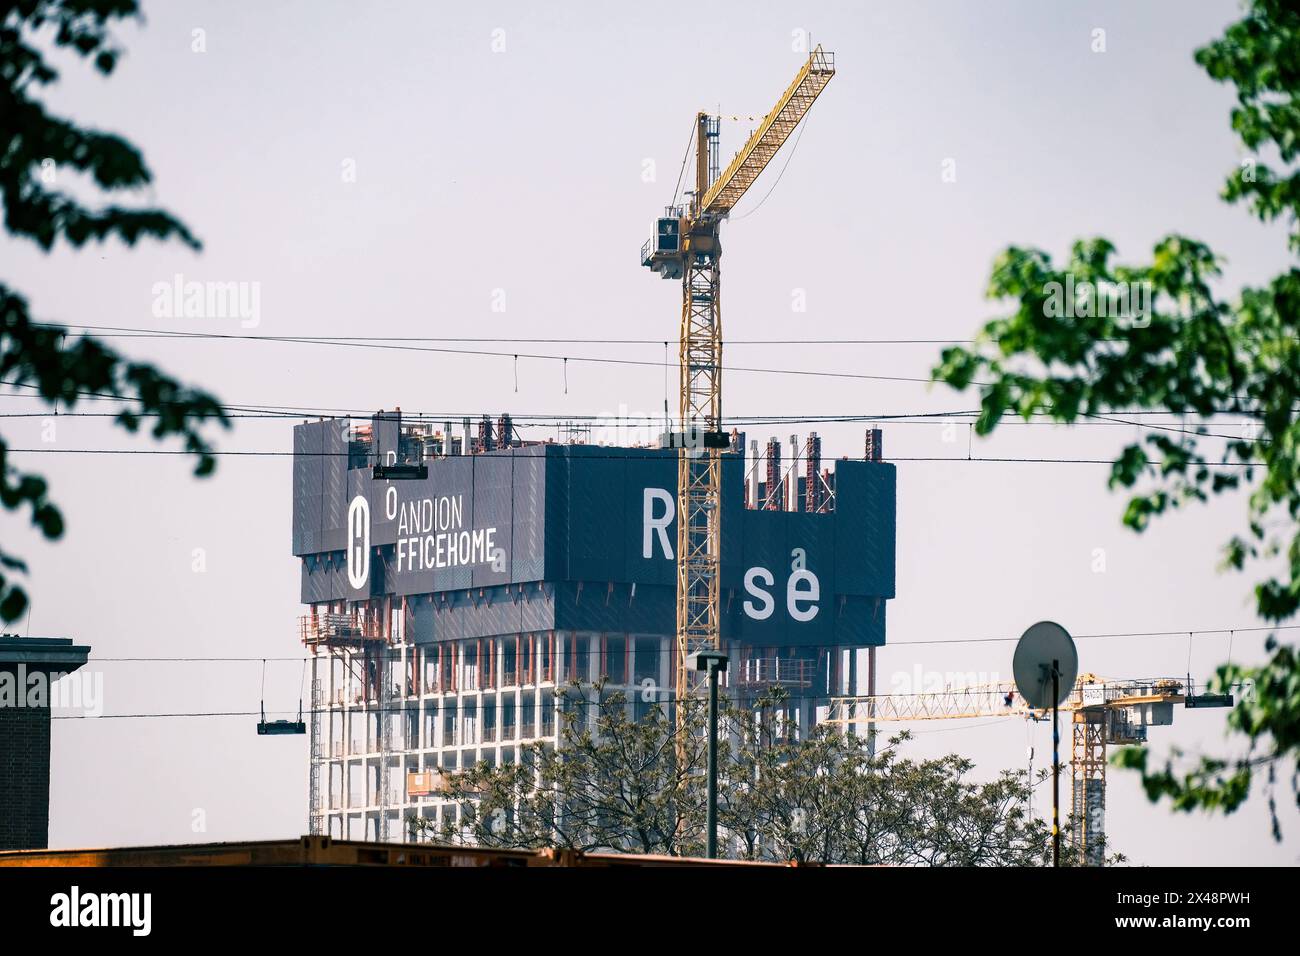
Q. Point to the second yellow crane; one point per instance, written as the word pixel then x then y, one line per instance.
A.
pixel 1102 713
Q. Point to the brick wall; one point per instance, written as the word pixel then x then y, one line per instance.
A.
pixel 24 777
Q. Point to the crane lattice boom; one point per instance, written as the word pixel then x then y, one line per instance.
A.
pixel 770 136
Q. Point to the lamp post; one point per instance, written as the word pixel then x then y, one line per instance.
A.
pixel 713 663
pixel 1056 763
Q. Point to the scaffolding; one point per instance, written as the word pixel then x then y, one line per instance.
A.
pixel 314 815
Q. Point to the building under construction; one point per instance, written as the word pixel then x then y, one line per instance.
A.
pixel 455 576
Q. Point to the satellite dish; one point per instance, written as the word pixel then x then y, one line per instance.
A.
pixel 1031 665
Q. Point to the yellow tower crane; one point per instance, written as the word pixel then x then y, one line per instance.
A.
pixel 685 246
pixel 1103 712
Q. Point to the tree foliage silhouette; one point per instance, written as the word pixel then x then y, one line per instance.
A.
pixel 1091 352
pixel 40 358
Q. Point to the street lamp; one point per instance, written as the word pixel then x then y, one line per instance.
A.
pixel 713 663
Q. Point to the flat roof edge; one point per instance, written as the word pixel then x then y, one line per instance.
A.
pixel 46 653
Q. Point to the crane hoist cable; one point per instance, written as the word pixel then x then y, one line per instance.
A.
pixel 789 156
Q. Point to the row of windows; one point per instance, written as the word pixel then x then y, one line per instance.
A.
pixel 516 661
pixel 468 721
pixel 536 659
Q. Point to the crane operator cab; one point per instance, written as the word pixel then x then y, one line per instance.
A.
pixel 662 252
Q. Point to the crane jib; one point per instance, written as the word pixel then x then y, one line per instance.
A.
pixel 770 136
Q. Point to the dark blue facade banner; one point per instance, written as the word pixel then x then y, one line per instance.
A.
pixel 583 537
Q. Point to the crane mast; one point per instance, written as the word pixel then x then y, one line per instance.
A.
pixel 699 464
pixel 686 246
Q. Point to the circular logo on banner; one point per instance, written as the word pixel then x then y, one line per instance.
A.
pixel 358 542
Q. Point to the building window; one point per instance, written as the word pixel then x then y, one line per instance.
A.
pixel 447 661
pixel 616 660
pixel 470 657
pixel 508 717
pixel 582 659
pixel 546 650
pixel 509 662
pixel 430 724
pixel 645 664
pixel 528 716
pixel 449 725
pixel 471 723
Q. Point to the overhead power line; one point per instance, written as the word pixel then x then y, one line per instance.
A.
pixel 118 332
pixel 1185 632
pixel 327 411
pixel 946 418
pixel 541 356
pixel 574 701
pixel 266 453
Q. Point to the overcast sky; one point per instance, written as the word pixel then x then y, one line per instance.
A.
pixel 409 168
